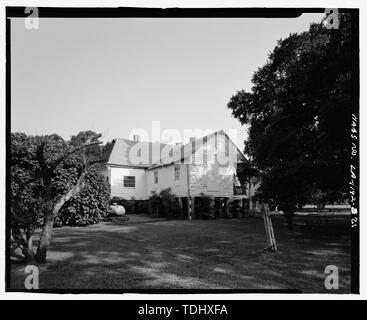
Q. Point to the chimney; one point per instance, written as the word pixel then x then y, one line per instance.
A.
pixel 136 138
pixel 192 139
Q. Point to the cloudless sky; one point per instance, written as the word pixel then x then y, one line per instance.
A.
pixel 116 75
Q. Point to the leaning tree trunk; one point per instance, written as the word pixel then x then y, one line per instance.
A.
pixel 29 250
pixel 45 238
pixel 50 215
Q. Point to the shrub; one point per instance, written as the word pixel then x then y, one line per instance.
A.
pixel 203 209
pixel 235 209
pixel 89 206
pixel 174 210
pixel 165 204
pixel 117 200
pixel 141 206
pixel 154 202
pixel 129 205
pixel 166 199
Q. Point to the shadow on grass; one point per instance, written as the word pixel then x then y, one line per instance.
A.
pixel 190 255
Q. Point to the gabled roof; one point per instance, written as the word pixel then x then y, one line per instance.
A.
pixel 190 148
pixel 121 151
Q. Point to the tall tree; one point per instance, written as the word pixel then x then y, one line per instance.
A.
pixel 298 112
pixel 35 173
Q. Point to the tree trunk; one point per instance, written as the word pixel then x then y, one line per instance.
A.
pixel 289 217
pixel 51 212
pixel 45 239
pixel 28 251
pixel 29 254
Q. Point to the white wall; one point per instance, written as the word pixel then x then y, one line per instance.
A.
pixel 116 178
pixel 166 179
pixel 211 180
pixel 210 177
pixel 207 177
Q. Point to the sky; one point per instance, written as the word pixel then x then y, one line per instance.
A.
pixel 115 75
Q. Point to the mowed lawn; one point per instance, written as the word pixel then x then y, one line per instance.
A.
pixel 197 254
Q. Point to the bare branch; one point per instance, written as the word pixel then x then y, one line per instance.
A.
pixel 99 161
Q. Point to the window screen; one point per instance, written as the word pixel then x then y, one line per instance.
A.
pixel 129 181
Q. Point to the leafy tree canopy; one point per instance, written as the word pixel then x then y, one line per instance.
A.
pixel 53 178
pixel 298 116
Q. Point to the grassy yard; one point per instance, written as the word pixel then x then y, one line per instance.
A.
pixel 194 254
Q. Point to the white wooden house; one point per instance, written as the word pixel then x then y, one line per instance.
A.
pixel 205 166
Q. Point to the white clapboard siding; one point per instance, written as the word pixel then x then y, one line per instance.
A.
pixel 166 179
pixel 117 183
pixel 211 180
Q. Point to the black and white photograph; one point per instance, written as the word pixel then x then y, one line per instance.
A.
pixel 182 150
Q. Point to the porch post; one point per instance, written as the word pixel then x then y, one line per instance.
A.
pixel 180 205
pixel 188 191
pixel 192 207
pixel 226 206
pixel 249 197
pixel 240 204
pixel 150 206
pixel 212 208
pixel 229 203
